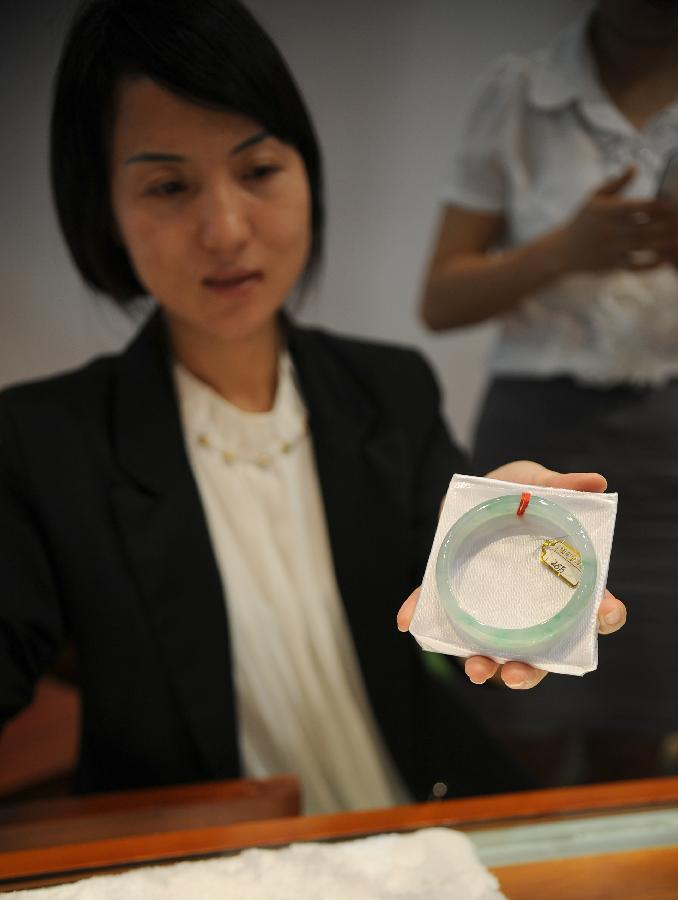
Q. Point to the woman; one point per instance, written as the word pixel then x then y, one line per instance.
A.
pixel 222 516
pixel 559 171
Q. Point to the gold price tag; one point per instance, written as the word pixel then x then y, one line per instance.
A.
pixel 562 559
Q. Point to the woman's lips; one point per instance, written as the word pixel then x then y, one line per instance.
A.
pixel 232 283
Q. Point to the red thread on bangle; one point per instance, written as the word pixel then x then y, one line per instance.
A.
pixel 524 500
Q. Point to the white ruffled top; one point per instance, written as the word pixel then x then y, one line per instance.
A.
pixel 301 701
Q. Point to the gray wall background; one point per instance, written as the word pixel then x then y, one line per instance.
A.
pixel 387 82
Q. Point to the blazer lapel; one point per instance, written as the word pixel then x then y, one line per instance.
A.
pixel 163 528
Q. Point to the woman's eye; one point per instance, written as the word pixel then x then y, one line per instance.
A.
pixel 259 173
pixel 167 188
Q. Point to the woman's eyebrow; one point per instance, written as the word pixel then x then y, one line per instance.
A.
pixel 176 157
pixel 154 158
pixel 250 141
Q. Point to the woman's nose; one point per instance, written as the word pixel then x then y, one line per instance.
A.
pixel 225 225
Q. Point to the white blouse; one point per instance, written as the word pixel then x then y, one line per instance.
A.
pixel 541 135
pixel 301 702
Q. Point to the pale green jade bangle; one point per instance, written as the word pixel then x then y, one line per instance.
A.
pixel 510 642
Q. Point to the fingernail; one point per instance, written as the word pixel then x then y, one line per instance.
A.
pixel 613 618
pixel 518 685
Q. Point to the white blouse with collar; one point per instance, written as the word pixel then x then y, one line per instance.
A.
pixel 301 703
pixel 541 135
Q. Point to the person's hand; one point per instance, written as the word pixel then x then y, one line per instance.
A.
pixel 611 613
pixel 613 232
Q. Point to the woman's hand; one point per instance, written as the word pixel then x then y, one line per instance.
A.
pixel 614 232
pixel 611 614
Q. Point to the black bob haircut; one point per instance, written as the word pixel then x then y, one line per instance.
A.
pixel 210 52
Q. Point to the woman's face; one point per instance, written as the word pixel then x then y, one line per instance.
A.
pixel 214 212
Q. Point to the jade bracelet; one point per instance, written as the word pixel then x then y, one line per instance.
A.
pixel 499 511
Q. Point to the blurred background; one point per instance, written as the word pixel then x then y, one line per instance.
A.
pixel 387 83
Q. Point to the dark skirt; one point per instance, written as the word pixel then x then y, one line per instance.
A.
pixel 631 436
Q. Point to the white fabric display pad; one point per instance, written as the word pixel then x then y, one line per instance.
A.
pixel 431 864
pixel 501 582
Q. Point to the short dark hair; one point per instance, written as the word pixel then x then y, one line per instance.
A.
pixel 211 52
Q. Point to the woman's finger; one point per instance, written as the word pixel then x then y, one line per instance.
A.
pixel 611 614
pixel 520 676
pixel 592 482
pixel 526 471
pixel 480 668
pixel 406 611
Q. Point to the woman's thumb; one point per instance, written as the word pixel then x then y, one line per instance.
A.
pixel 616 184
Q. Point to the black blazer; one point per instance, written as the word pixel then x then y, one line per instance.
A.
pixel 103 540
